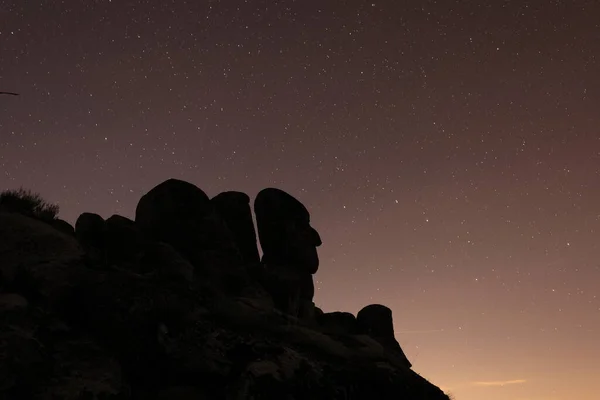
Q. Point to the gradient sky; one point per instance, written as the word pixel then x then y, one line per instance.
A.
pixel 449 152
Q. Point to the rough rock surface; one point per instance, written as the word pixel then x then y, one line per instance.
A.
pixel 234 208
pixel 163 260
pixel 292 291
pixel 71 331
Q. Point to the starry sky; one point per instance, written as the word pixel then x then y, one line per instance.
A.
pixel 449 153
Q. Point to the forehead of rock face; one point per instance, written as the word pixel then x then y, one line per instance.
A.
pixel 169 202
pixel 376 320
pixel 276 205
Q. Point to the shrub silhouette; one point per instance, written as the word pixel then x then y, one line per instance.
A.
pixel 28 203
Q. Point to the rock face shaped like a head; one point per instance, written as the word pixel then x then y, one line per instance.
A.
pixel 181 214
pixel 234 208
pixel 284 230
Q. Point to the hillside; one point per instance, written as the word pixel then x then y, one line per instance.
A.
pixel 178 305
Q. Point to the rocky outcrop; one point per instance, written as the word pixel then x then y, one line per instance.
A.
pixel 63 226
pixel 338 322
pixel 160 330
pixel 292 291
pixel 124 241
pixel 90 231
pixel 234 208
pixel 376 321
pixel 289 245
pixel 181 214
pixel 284 230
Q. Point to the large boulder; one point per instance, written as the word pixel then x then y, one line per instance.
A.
pixel 234 208
pixel 376 321
pixel 181 214
pixel 68 331
pixel 63 226
pixel 284 230
pixel 124 241
pixel 90 231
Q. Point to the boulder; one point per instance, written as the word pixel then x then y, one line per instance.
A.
pixel 234 208
pixel 376 321
pixel 284 230
pixel 63 226
pixel 124 241
pixel 90 231
pixel 181 214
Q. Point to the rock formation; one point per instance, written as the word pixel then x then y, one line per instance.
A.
pixel 376 321
pixel 181 214
pixel 90 230
pixel 160 330
pixel 289 245
pixel 63 226
pixel 284 230
pixel 234 208
pixel 338 322
pixel 164 261
pixel 124 241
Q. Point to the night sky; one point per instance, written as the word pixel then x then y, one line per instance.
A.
pixel 449 153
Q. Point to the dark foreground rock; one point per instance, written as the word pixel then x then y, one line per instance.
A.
pixel 71 331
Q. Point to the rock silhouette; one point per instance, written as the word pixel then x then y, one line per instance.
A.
pixel 234 208
pixel 153 325
pixel 284 230
pixel 63 226
pixel 90 230
pixel 124 241
pixel 338 322
pixel 376 321
pixel 181 214
pixel 289 245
